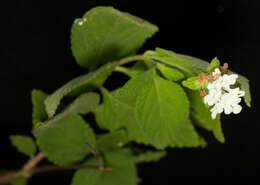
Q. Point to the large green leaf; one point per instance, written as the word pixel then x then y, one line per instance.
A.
pixel 80 83
pixel 153 110
pixel 67 140
pixel 24 144
pixel 82 104
pixel 124 171
pixel 202 116
pixel 39 114
pixel 162 110
pixel 105 34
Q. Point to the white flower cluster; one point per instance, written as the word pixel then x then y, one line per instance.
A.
pixel 221 96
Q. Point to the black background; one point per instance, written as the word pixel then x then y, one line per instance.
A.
pixel 35 53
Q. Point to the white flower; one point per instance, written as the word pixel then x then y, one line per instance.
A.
pixel 222 97
pixel 228 80
pixel 213 97
pixel 216 72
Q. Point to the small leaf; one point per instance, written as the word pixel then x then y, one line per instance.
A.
pixel 83 104
pixel 80 83
pixel 123 173
pixel 106 34
pixel 24 144
pixel 149 156
pixel 213 64
pixel 39 113
pixel 202 116
pixel 111 141
pixel 66 140
pixel 170 73
pixel 191 83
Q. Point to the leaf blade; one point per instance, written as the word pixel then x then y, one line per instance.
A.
pixel 24 144
pixel 106 34
pixel 95 79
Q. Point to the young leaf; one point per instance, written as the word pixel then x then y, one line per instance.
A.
pixel 170 73
pixel 24 144
pixel 124 171
pixel 106 34
pixel 66 140
pixel 111 141
pixel 191 83
pixel 91 79
pixel 202 116
pixel 213 64
pixel 83 104
pixel 39 113
pixel 149 156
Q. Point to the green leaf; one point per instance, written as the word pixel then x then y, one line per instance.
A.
pixel 124 171
pixel 153 110
pixel 111 141
pixel 202 116
pixel 118 108
pixel 244 85
pixel 213 64
pixel 39 113
pixel 138 68
pixel 87 176
pixel 191 83
pixel 163 114
pixel 84 104
pixel 149 156
pixel 170 73
pixel 173 60
pixel 66 140
pixel 80 83
pixel 24 144
pixel 105 34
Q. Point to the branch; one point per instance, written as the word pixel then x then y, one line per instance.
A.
pixel 29 169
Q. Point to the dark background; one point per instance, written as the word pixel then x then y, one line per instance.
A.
pixel 35 53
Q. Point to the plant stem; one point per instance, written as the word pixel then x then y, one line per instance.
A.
pixel 30 169
pixel 131 59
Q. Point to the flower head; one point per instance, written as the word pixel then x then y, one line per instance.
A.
pixel 221 96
